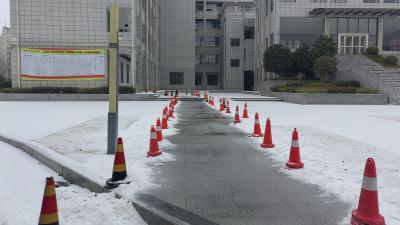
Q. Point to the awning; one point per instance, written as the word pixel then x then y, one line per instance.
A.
pixel 354 12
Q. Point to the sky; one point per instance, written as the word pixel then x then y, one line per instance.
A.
pixel 4 12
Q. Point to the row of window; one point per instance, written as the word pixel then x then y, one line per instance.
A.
pixel 345 1
pixel 215 42
pixel 209 59
pixel 177 78
pixel 211 23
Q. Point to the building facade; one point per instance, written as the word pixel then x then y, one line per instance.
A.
pixel 353 24
pixel 83 24
pixel 5 65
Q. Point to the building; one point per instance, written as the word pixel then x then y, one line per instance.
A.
pixel 164 44
pixel 353 24
pixel 68 36
pixel 5 65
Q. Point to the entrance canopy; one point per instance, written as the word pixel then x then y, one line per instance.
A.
pixel 355 12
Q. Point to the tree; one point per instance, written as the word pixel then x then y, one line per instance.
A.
pixel 277 59
pixel 302 60
pixel 323 66
pixel 323 46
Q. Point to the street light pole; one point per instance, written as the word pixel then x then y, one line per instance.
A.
pixel 113 82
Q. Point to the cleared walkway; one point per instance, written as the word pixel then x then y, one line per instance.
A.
pixel 219 178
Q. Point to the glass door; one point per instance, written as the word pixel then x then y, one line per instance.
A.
pixel 352 44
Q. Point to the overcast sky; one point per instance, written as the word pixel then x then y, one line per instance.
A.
pixel 4 12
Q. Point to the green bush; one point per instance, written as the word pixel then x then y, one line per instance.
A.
pixel 343 90
pixel 391 60
pixel 372 51
pixel 348 83
pixel 367 91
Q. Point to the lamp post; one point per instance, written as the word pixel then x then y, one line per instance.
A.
pixel 113 82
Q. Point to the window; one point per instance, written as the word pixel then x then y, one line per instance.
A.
pixel 248 33
pixel 215 24
pixel 391 1
pixel 199 41
pixel 198 78
pixel 235 42
pixel 212 41
pixel 353 25
pixel 371 1
pixel 121 72
pixel 235 62
pixel 212 59
pixel 128 68
pixel 338 1
pixel 199 6
pixel 212 79
pixel 199 60
pixel 176 78
pixel 199 24
pixel 391 34
pixel 287 0
pixel 319 1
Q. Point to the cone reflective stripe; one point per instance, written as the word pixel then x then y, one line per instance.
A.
pixel 224 103
pixel 237 116
pixel 119 169
pixel 164 122
pixel 159 130
pixel 294 157
pixel 267 143
pixel 257 127
pixel 228 109
pixel 245 112
pixel 154 150
pixel 367 212
pixel 49 211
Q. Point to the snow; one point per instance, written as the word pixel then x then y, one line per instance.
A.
pixel 335 141
pixel 21 196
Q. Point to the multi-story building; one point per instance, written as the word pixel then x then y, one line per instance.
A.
pixel 62 30
pixel 353 24
pixel 5 37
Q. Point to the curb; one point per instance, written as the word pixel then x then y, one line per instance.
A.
pixel 150 214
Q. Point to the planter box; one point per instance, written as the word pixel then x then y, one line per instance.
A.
pixel 334 99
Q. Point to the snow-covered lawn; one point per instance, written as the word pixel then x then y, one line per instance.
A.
pixel 21 193
pixel 335 141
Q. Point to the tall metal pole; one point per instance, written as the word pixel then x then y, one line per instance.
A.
pixel 113 80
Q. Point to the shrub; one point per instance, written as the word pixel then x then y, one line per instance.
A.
pixel 343 90
pixel 391 60
pixel 277 59
pixel 367 91
pixel 323 66
pixel 323 46
pixel 302 60
pixel 372 51
pixel 347 83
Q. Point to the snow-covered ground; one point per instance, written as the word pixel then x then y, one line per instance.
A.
pixel 335 141
pixel 21 193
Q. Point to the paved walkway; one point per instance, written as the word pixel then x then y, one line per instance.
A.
pixel 219 178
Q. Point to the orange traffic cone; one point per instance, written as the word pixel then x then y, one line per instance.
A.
pixel 49 211
pixel 294 158
pixel 228 108
pixel 154 150
pixel 245 112
pixel 164 124
pixel 159 130
pixel 267 143
pixel 171 112
pixel 221 106
pixel 367 212
pixel 237 116
pixel 119 170
pixel 224 103
pixel 257 127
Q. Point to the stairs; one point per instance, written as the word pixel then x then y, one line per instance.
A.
pixel 371 74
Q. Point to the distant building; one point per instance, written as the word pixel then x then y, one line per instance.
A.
pixel 353 24
pixel 5 63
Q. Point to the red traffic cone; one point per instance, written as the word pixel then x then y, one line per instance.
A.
pixel 224 103
pixel 159 130
pixel 49 211
pixel 164 124
pixel 257 127
pixel 245 112
pixel 267 143
pixel 237 116
pixel 154 150
pixel 221 106
pixel 367 212
pixel 228 108
pixel 294 158
pixel 171 112
pixel 212 101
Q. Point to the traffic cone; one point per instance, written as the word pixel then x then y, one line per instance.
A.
pixel 221 106
pixel 294 158
pixel 224 103
pixel 267 143
pixel 159 130
pixel 171 112
pixel 119 170
pixel 49 211
pixel 154 150
pixel 367 212
pixel 212 101
pixel 237 116
pixel 245 112
pixel 257 127
pixel 228 108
